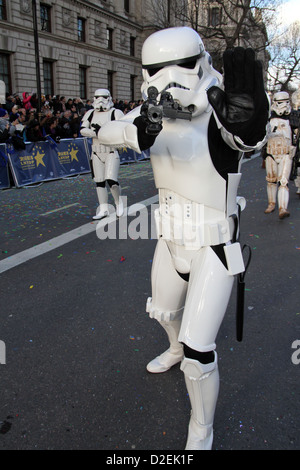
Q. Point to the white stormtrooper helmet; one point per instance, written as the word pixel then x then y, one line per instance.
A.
pixel 281 103
pixel 102 100
pixel 174 59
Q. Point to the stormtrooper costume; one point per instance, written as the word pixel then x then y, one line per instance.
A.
pixel 105 161
pixel 196 170
pixel 279 156
pixel 297 156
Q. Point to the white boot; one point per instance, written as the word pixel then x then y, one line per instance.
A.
pixel 283 200
pixel 171 356
pixel 103 206
pixel 116 194
pixel 202 382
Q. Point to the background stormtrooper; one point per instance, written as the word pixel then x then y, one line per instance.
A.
pixel 295 124
pixel 297 165
pixel 279 155
pixel 105 161
pixel 196 170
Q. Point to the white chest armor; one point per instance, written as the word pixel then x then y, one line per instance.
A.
pixel 100 118
pixel 195 201
pixel 280 138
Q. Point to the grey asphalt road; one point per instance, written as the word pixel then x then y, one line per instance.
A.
pixel 78 339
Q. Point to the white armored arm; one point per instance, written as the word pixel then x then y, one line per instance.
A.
pixel 86 130
pixel 236 142
pixel 121 133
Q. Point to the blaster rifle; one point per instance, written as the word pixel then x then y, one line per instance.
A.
pixel 154 110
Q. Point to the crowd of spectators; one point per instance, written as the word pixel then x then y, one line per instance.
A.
pixel 59 118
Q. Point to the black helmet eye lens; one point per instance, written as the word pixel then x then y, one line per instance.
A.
pixel 191 64
pixel 154 71
pixel 187 63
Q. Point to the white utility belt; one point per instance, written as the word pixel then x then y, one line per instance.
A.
pixel 100 148
pixel 191 224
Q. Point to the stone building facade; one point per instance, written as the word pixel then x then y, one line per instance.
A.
pixel 83 45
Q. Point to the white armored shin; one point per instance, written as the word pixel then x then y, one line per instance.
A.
pixel 202 382
pixel 116 194
pixel 166 306
pixel 102 210
pixel 174 353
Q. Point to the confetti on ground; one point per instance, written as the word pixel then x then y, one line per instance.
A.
pixel 122 259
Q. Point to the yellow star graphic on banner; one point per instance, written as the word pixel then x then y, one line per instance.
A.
pixel 73 154
pixel 39 159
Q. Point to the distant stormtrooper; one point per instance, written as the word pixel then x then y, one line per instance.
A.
pixel 296 129
pixel 279 155
pixel 105 161
pixel 297 167
pixel 197 129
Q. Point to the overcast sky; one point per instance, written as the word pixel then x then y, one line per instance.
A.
pixel 290 11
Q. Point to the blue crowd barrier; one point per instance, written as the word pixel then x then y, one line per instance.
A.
pixel 129 156
pixel 4 172
pixel 47 160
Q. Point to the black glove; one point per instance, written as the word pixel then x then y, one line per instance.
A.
pixel 145 139
pixel 96 127
pixel 243 108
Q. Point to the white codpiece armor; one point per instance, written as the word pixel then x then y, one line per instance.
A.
pixel 280 153
pixel 196 170
pixel 105 160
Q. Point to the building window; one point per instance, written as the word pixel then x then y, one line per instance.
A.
pixel 82 83
pixel 132 46
pixel 48 77
pixel 3 13
pixel 110 81
pixel 214 17
pixel 81 29
pixel 126 6
pixel 45 18
pixel 5 74
pixel 132 86
pixel 109 37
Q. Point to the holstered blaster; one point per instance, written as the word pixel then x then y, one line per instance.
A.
pixel 154 111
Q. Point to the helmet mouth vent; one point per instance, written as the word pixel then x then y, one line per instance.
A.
pixel 175 85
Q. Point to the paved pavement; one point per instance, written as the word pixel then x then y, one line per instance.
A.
pixel 77 336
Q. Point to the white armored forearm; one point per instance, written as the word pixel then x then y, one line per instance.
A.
pixel 236 142
pixel 87 132
pixel 121 133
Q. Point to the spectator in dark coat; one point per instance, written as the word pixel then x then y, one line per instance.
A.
pixel 34 132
